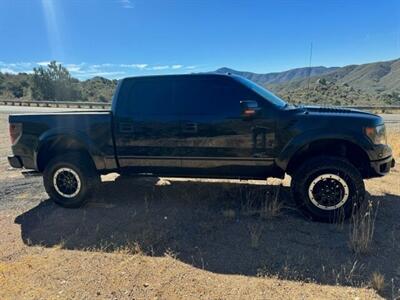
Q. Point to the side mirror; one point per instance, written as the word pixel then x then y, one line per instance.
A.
pixel 250 109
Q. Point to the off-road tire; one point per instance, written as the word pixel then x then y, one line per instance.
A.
pixel 73 164
pixel 348 177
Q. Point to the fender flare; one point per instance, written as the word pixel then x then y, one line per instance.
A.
pixel 299 142
pixel 58 134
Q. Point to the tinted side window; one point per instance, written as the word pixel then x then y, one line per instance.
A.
pixel 208 96
pixel 148 97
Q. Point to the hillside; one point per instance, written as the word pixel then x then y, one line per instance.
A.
pixel 279 77
pixel 98 89
pixel 367 84
pixel 19 86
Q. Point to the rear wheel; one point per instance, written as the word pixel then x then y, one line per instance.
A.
pixel 70 179
pixel 327 188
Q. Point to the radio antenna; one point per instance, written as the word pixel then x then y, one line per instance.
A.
pixel 309 68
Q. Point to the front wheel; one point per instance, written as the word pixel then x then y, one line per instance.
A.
pixel 70 179
pixel 327 188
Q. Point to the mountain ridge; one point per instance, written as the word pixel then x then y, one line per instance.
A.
pixel 279 77
pixel 376 83
pixel 364 84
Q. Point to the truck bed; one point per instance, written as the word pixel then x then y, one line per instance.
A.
pixel 93 129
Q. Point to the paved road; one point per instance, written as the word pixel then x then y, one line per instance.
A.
pixel 389 118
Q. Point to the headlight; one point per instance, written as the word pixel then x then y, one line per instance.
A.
pixel 376 134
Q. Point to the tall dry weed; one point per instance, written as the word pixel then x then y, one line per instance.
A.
pixel 362 228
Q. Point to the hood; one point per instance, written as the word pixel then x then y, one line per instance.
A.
pixel 337 116
pixel 334 110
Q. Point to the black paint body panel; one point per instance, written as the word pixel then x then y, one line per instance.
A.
pixel 193 125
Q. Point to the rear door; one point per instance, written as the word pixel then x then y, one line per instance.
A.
pixel 147 125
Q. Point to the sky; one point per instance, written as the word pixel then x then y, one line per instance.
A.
pixel 119 38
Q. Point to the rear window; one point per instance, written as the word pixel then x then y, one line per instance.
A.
pixel 146 97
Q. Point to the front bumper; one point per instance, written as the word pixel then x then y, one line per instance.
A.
pixel 382 167
pixel 15 161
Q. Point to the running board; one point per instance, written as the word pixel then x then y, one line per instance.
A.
pixel 30 173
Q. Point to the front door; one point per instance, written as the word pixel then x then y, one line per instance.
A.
pixel 215 138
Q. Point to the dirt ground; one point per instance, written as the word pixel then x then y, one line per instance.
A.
pixel 151 238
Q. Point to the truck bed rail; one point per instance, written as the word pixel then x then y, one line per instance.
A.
pixel 67 104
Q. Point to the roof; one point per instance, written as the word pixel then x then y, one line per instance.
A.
pixel 180 76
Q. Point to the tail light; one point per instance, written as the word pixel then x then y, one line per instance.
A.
pixel 15 130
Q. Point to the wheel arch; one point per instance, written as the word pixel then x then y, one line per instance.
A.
pixel 339 147
pixel 51 145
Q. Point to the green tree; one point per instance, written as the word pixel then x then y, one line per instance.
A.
pixel 17 90
pixel 54 83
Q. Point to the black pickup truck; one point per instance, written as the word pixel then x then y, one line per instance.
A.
pixel 206 125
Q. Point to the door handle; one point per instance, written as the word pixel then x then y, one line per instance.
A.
pixel 190 127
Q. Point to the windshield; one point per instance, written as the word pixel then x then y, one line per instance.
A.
pixel 263 92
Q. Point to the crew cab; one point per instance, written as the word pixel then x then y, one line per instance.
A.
pixel 206 125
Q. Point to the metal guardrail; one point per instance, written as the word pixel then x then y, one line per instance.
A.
pixel 108 105
pixel 56 104
pixel 372 107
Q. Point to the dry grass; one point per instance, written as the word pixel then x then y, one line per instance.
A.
pixel 229 214
pixel 362 228
pixel 132 248
pixel 93 275
pixel 339 219
pixel 263 201
pixel 250 199
pixel 255 232
pixel 394 141
pixel 378 281
pixel 170 253
pixel 272 206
